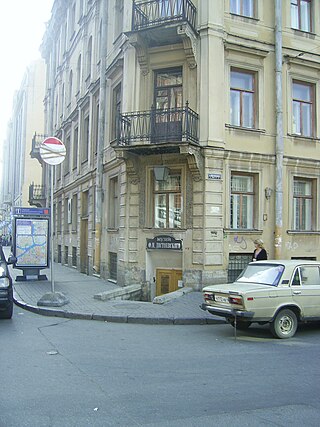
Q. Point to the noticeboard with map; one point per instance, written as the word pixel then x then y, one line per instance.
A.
pixel 31 242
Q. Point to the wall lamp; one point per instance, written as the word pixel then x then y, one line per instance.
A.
pixel 268 192
pixel 160 173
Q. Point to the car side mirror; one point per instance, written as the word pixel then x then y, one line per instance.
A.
pixel 12 259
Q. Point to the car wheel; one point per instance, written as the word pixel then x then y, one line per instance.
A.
pixel 7 313
pixel 285 324
pixel 241 325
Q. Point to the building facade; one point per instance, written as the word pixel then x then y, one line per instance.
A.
pixel 21 175
pixel 191 128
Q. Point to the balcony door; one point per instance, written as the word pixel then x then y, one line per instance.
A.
pixel 167 120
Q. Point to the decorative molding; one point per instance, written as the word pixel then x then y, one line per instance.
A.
pixel 195 161
pixel 138 43
pixel 189 44
pixel 132 165
pixel 249 50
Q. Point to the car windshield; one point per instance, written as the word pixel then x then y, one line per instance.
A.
pixel 265 274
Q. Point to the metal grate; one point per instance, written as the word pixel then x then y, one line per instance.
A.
pixel 113 261
pixel 237 262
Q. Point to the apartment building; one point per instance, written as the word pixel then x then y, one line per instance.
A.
pixel 21 175
pixel 191 128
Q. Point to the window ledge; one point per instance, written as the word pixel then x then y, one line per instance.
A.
pixel 244 17
pixel 304 33
pixel 300 137
pixel 314 232
pixel 255 130
pixel 242 230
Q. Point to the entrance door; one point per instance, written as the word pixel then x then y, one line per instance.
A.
pixel 84 247
pixel 167 123
pixel 167 280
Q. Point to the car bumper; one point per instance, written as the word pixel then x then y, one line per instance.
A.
pixel 227 312
pixel 6 297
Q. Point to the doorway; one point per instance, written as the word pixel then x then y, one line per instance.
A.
pixel 167 280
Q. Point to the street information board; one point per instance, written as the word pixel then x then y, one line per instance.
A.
pixel 31 242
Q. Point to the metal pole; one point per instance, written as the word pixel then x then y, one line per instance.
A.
pixel 51 231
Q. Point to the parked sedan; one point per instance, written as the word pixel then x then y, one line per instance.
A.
pixel 6 294
pixel 281 293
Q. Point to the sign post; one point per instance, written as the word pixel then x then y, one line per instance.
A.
pixel 52 152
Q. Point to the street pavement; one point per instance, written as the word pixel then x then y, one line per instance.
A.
pixel 79 289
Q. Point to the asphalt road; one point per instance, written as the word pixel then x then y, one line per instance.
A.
pixel 77 373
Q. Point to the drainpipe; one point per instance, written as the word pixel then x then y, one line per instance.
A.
pixel 101 137
pixel 279 134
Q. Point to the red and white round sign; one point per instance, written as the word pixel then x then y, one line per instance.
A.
pixel 52 151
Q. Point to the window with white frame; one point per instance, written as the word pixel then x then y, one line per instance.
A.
pixel 243 7
pixel 167 201
pixel 302 108
pixel 301 15
pixel 302 204
pixel 243 98
pixel 242 201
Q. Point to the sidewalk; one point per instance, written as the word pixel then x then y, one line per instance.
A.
pixel 80 290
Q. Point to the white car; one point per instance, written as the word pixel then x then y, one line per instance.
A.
pixel 279 292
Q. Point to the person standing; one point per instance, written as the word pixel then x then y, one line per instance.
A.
pixel 259 254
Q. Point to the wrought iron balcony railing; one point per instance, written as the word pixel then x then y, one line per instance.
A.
pixel 36 141
pixel 152 13
pixel 37 195
pixel 174 125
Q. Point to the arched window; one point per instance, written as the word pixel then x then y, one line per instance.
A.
pixel 89 57
pixel 79 74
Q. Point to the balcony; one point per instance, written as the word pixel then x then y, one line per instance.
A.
pixel 155 13
pixel 35 150
pixel 163 22
pixel 157 131
pixel 37 195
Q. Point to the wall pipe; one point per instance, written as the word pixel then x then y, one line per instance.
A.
pixel 279 133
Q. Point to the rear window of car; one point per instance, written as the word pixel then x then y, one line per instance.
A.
pixel 262 274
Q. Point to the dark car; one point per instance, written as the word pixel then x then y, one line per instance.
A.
pixel 6 293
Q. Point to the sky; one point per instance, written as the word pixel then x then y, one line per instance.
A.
pixel 21 31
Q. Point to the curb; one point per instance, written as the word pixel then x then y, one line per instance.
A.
pixel 113 318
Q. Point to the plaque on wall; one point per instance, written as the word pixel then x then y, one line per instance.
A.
pixel 164 242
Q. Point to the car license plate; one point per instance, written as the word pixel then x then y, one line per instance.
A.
pixel 220 298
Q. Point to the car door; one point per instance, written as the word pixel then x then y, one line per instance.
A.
pixel 305 287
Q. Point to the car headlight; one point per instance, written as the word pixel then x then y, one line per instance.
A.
pixel 4 282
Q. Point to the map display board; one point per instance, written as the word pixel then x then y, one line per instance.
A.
pixel 31 242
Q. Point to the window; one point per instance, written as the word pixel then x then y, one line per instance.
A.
pixel 302 204
pixel 72 20
pixel 306 276
pixel 79 74
pixel 237 262
pixel 85 140
pixel 302 108
pixel 242 98
pixel 95 129
pixel 167 203
pixel 74 213
pixel 70 87
pixel 118 17
pixel 242 7
pixel 65 216
pixel 89 58
pixel 301 15
pixel 114 203
pixel 116 110
pixel 242 201
pixel 59 215
pixel 75 148
pixel 66 162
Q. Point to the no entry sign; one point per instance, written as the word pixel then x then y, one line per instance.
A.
pixel 52 151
